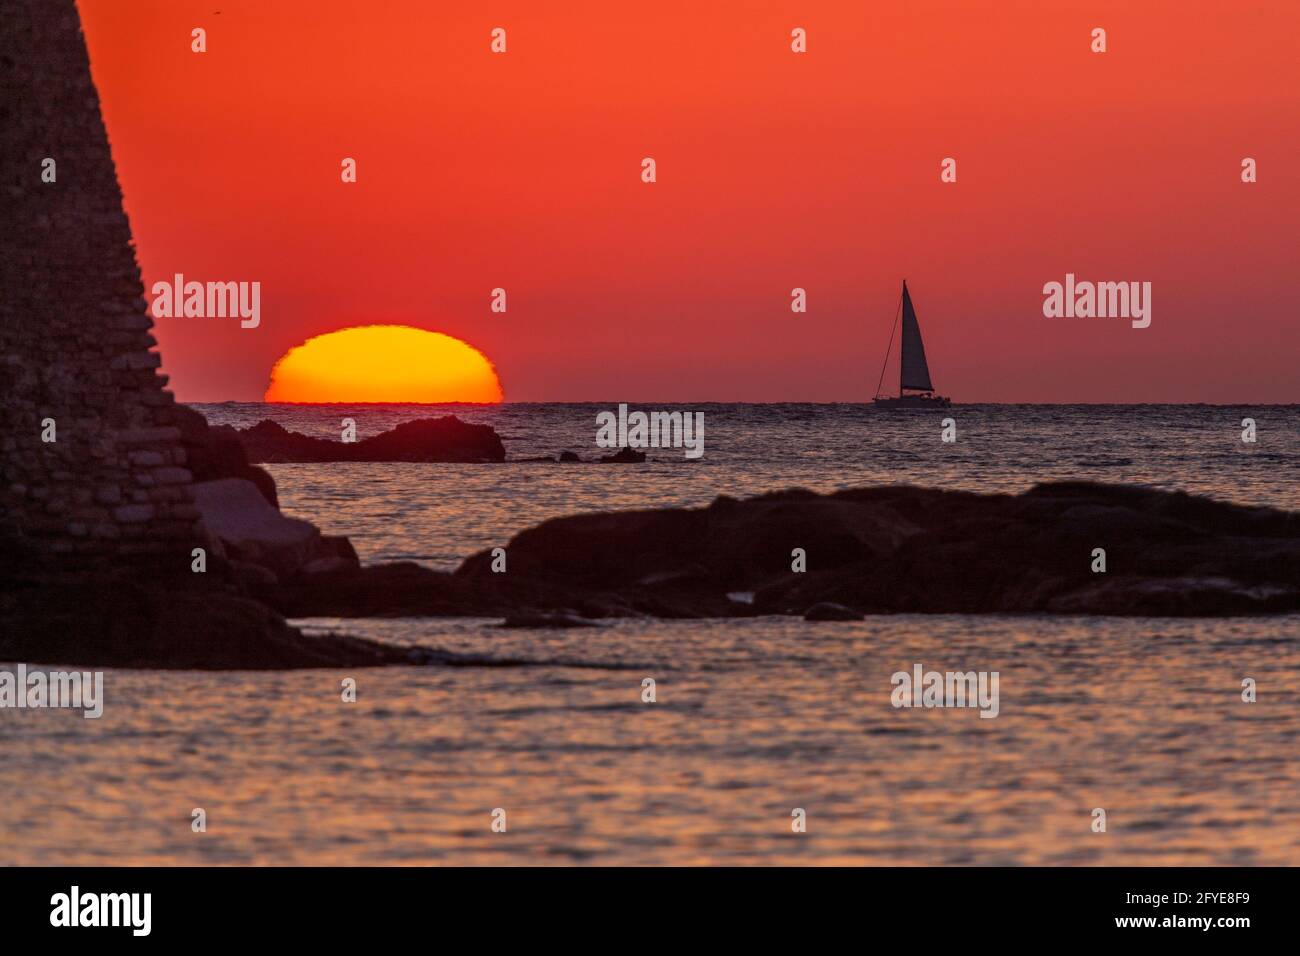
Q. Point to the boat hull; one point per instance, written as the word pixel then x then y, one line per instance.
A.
pixel 912 401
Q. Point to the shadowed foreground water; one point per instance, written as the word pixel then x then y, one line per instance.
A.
pixel 1141 717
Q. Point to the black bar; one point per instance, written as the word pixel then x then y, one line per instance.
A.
pixel 669 906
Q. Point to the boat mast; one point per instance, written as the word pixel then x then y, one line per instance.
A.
pixel 884 365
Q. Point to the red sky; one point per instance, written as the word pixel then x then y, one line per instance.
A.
pixel 775 170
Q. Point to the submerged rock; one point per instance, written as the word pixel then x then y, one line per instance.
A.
pixel 446 439
pixel 829 611
pixel 624 456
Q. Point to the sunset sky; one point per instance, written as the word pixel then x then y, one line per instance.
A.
pixel 775 171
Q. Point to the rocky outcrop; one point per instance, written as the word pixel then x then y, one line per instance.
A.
pixel 920 550
pixel 123 622
pixel 405 589
pixel 875 550
pixel 446 439
pixel 623 456
pixel 251 532
pixel 214 453
pixel 168 618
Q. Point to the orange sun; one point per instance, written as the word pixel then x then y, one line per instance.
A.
pixel 384 363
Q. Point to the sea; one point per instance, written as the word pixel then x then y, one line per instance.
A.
pixel 769 740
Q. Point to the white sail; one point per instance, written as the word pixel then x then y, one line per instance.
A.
pixel 915 373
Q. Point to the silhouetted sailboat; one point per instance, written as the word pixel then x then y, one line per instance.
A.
pixel 913 372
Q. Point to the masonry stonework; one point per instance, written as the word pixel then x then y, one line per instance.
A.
pixel 77 361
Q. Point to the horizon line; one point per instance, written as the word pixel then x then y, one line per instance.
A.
pixel 866 403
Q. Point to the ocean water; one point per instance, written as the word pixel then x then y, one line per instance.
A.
pixel 753 718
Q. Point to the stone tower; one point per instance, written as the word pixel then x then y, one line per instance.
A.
pixel 91 466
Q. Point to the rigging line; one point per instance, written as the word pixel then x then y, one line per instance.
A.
pixel 888 348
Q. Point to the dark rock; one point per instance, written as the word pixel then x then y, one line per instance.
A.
pixel 330 564
pixel 446 439
pixel 872 550
pixel 250 530
pixel 338 546
pixel 829 611
pixel 900 549
pixel 214 453
pixel 624 456
pixel 401 588
pixel 254 578
pixel 568 456
pixel 120 623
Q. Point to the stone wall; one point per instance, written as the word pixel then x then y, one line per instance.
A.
pixel 75 348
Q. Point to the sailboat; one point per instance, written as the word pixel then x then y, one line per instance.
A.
pixel 914 387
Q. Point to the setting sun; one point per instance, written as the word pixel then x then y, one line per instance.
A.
pixel 384 363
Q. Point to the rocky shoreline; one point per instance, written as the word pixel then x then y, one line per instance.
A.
pixel 865 551
pixel 445 439
pixel 823 557
pixel 121 621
